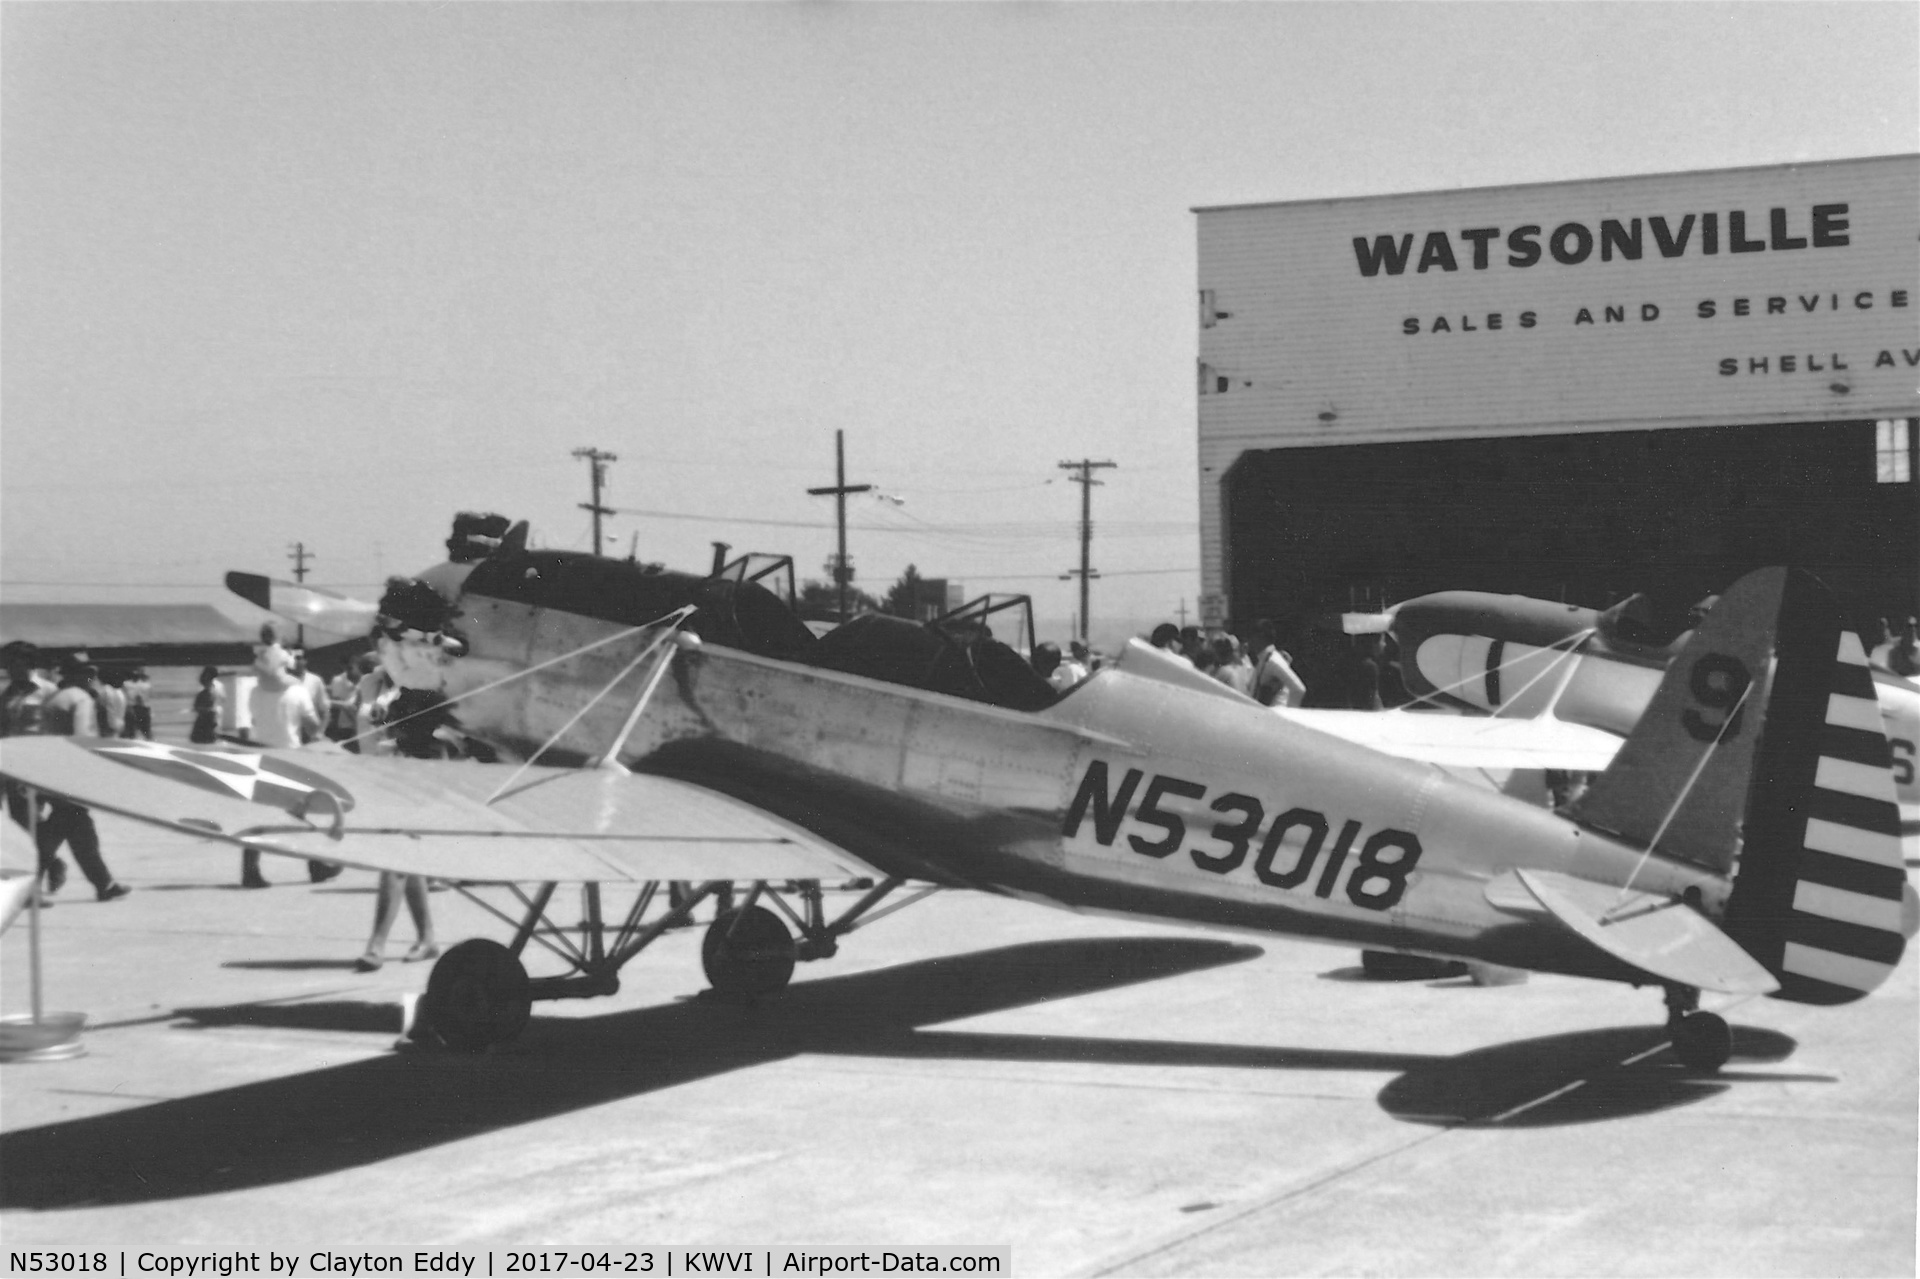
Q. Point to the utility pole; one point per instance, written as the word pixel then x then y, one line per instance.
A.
pixel 599 462
pixel 1086 467
pixel 842 571
pixel 299 554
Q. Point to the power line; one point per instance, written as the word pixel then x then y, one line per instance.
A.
pixel 1008 528
pixel 1054 577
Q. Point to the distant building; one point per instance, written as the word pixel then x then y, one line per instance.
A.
pixel 1574 390
pixel 936 595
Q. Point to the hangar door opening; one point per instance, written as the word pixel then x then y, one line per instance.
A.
pixel 1584 518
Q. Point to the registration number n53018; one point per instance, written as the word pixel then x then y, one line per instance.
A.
pixel 1283 852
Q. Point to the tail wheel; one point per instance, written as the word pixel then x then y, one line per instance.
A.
pixel 747 952
pixel 477 996
pixel 1702 1041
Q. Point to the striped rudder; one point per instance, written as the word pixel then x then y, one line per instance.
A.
pixel 1820 889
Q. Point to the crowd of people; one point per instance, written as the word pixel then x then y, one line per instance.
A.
pixel 1349 674
pixel 288 705
pixel 76 705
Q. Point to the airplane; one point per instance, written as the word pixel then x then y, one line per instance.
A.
pixel 1743 840
pixel 1521 658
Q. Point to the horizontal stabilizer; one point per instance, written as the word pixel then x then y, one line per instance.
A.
pixel 1656 934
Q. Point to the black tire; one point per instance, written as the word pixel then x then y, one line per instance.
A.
pixel 747 952
pixel 1702 1041
pixel 477 996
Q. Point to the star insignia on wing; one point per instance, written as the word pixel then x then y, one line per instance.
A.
pixel 247 776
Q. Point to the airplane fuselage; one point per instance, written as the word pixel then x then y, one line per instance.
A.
pixel 1131 795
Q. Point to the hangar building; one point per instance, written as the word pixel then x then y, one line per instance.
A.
pixel 1574 390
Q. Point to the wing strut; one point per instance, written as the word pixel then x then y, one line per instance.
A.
pixel 611 759
pixel 511 676
pixel 819 937
pixel 672 621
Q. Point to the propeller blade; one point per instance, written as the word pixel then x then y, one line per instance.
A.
pixel 305 605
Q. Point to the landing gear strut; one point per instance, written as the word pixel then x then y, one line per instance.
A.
pixel 1702 1041
pixel 479 993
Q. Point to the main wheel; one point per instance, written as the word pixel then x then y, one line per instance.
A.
pixel 476 996
pixel 747 952
pixel 1703 1041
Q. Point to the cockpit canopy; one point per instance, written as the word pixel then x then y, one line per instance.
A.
pixel 898 651
pixel 955 654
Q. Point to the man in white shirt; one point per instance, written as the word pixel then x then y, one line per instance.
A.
pixel 317 698
pixel 1062 673
pixel 1274 683
pixel 1230 665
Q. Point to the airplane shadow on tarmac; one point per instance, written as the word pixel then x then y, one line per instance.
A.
pixel 323 1121
pixel 1575 1078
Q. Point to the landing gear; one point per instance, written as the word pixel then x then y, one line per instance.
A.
pixel 1702 1041
pixel 752 950
pixel 479 993
pixel 476 997
pixel 748 952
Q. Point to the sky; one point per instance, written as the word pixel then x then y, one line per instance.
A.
pixel 325 274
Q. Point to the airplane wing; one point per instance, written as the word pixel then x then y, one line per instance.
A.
pixel 430 817
pixel 1468 741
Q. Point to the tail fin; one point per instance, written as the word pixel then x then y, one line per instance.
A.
pixel 1762 755
pixel 1682 774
